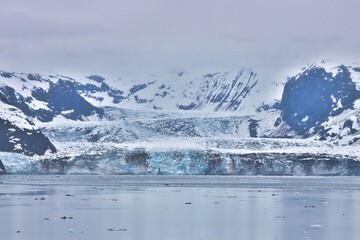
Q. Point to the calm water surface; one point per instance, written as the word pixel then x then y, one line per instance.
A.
pixel 179 207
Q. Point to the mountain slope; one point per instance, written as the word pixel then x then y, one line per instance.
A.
pixel 46 97
pixel 220 91
pixel 323 100
pixel 18 134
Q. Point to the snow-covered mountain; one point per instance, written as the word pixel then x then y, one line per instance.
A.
pixel 220 91
pixel 324 101
pixel 136 125
pixel 18 134
pixel 45 97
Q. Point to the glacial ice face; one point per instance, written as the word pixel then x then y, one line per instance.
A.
pixel 190 162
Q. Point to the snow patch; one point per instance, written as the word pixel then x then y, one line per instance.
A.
pixel 305 119
pixel 14 116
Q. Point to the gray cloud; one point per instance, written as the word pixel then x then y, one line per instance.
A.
pixel 113 37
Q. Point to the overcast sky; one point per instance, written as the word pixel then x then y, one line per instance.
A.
pixel 118 36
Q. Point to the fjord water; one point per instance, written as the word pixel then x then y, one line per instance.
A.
pixel 178 207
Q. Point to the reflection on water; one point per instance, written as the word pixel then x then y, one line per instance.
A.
pixel 180 208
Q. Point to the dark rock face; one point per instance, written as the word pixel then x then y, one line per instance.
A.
pixel 253 125
pixel 6 74
pixel 314 95
pixel 2 168
pixel 24 141
pixel 63 96
pixel 187 107
pixel 137 88
pixel 96 78
pixel 11 97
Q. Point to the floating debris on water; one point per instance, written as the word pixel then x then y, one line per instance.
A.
pixel 117 229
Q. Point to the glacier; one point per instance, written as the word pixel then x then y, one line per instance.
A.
pixel 227 123
pixel 156 143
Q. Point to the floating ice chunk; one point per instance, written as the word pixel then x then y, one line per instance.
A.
pixel 316 226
